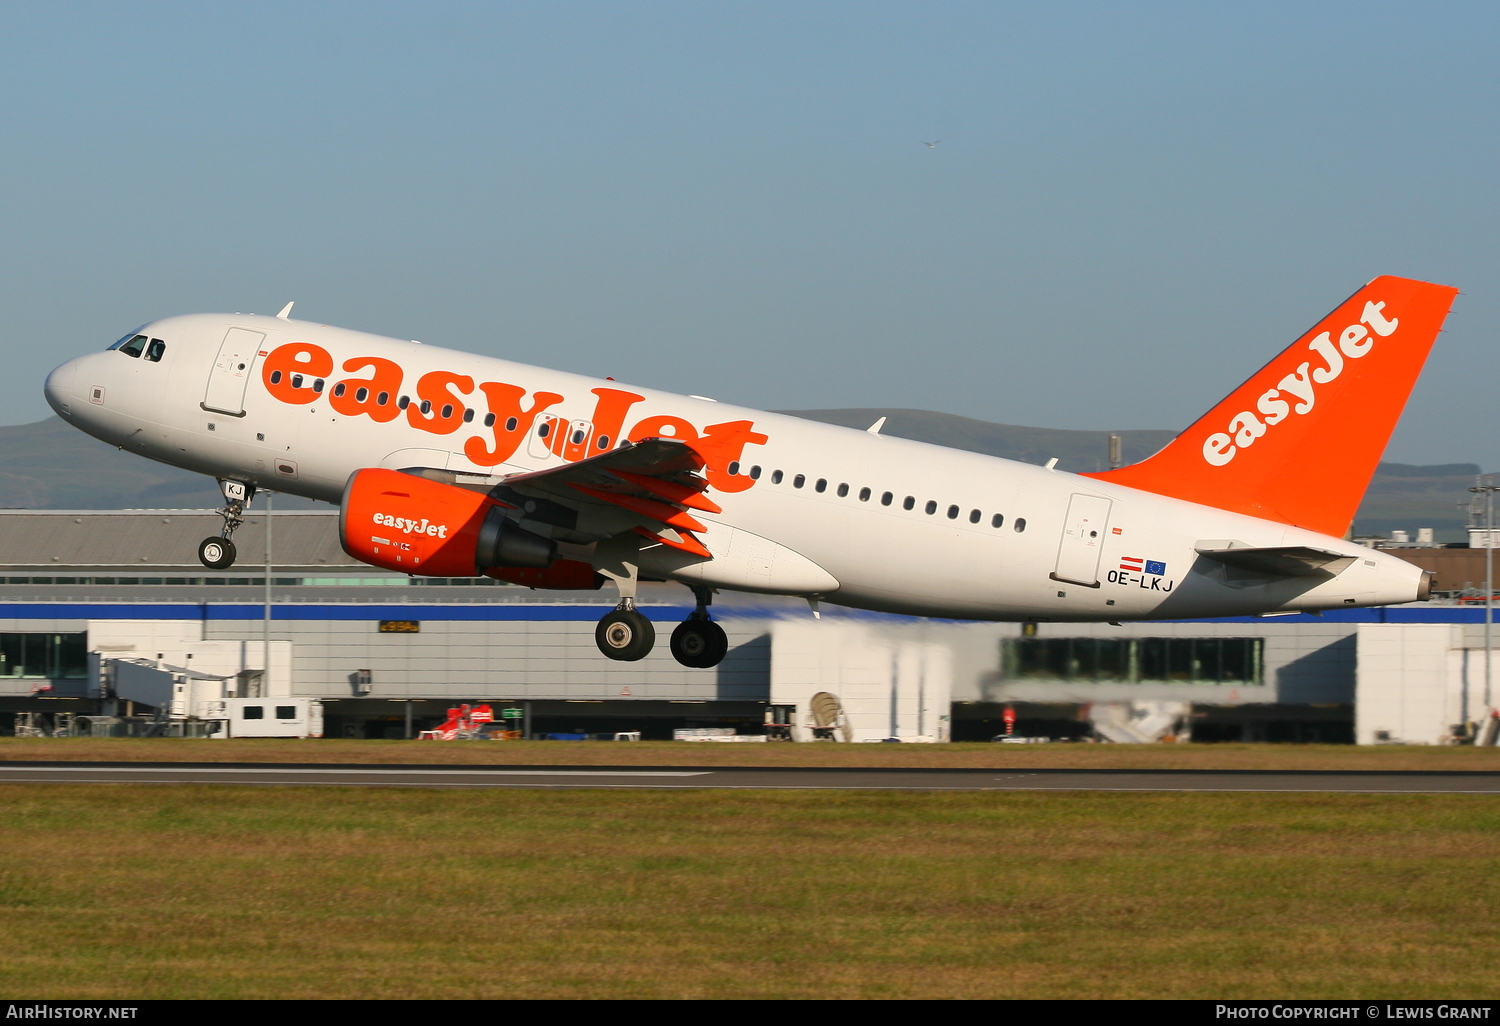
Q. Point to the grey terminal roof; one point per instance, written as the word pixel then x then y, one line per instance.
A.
pixel 105 542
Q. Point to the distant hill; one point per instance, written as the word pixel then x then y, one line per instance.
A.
pixel 50 465
pixel 1404 497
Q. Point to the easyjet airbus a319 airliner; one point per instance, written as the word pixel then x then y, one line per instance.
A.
pixel 448 464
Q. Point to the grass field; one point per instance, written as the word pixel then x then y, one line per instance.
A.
pixel 681 753
pixel 197 891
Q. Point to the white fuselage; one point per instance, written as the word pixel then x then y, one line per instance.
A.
pixel 837 540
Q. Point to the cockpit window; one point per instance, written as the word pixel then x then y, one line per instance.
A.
pixel 155 350
pixel 128 338
pixel 133 346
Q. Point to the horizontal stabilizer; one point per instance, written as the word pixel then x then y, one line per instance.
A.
pixel 1278 560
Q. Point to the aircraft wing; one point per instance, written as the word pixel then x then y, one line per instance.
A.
pixel 650 487
pixel 1277 560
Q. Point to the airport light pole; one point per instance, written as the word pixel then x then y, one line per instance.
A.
pixel 265 633
pixel 1488 489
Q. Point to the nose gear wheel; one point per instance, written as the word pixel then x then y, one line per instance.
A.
pixel 216 553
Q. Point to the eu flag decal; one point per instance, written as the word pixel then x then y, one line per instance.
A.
pixel 1153 567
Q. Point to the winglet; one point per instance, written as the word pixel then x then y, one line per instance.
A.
pixel 874 428
pixel 286 311
pixel 1298 442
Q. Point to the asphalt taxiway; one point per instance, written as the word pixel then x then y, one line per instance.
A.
pixel 700 777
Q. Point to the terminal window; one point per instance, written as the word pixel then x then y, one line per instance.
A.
pixel 53 656
pixel 1135 660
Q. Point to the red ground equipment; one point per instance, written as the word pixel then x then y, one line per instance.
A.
pixel 464 723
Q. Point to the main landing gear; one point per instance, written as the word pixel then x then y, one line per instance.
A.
pixel 218 553
pixel 698 641
pixel 626 635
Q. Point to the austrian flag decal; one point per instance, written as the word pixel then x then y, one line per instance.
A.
pixel 1136 565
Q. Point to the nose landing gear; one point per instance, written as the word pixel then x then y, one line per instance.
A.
pixel 218 553
pixel 698 641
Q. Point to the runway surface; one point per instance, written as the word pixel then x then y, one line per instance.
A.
pixel 699 777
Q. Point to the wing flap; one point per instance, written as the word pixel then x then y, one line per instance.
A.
pixel 647 486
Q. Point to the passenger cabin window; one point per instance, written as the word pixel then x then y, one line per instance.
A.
pixel 998 520
pixel 776 477
pixel 864 495
pixel 155 350
pixel 382 398
pixel 338 390
pixel 822 484
pixel 798 481
pixel 734 468
pixel 135 346
pixel 361 394
pixel 1020 524
pixel 510 422
pixel 543 430
pixel 843 490
pixel 885 499
pixel 974 516
pixel 908 502
pixel 755 473
pixel 469 416
pixel 931 507
pixel 952 512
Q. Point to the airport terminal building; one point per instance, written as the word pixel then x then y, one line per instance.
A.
pixel 108 624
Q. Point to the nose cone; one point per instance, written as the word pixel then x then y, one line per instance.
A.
pixel 59 388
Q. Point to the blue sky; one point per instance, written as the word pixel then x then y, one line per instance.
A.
pixel 1132 207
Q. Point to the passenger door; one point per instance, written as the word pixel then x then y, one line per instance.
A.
pixel 231 372
pixel 1082 541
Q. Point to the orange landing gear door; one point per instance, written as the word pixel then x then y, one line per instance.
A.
pixel 1082 541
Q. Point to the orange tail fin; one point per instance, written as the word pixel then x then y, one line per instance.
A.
pixel 1298 442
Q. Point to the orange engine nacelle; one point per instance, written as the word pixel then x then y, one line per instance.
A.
pixel 415 526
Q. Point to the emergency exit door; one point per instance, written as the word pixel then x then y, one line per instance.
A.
pixel 231 371
pixel 1082 541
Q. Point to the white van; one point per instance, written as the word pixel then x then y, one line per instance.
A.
pixel 269 717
